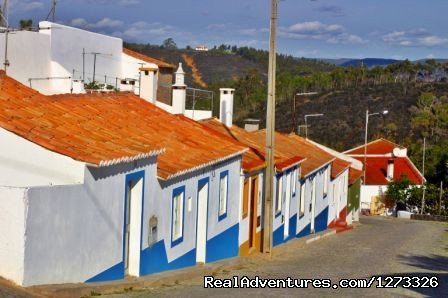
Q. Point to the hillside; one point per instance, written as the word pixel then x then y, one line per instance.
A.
pixel 209 67
pixel 343 124
pixel 368 62
pixel 227 63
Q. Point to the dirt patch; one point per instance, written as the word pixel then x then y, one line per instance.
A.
pixel 197 77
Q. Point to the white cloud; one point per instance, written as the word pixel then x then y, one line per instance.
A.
pixel 334 10
pixel 220 27
pixel 115 2
pixel 142 29
pixel 314 28
pixel 248 32
pixel 432 41
pixel 419 37
pixel 25 5
pixel 332 33
pixel 105 23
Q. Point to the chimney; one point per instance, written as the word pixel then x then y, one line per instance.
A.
pixel 226 106
pixel 148 84
pixel 179 91
pixel 390 169
pixel 251 125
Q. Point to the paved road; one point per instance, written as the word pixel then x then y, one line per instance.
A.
pixel 380 246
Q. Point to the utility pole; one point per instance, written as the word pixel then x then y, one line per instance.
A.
pixel 83 64
pixel 440 197
pixel 52 11
pixel 4 17
pixel 94 64
pixel 140 78
pixel 270 133
pixel 423 173
pixel 94 61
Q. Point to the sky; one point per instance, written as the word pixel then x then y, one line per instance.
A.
pixel 398 29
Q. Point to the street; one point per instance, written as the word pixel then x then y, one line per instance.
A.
pixel 379 246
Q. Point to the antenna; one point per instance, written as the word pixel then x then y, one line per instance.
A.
pixel 52 11
pixel 94 60
pixel 5 13
pixel 4 19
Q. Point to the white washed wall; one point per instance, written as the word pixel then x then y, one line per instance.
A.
pixel 321 202
pixel 13 209
pixel 29 57
pixel 67 44
pixel 75 232
pixel 23 163
pixel 130 69
pixel 369 191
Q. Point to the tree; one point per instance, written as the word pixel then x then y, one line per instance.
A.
pixel 399 190
pixel 26 24
pixel 169 44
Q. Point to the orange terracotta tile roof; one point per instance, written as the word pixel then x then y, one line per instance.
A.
pixel 353 175
pixel 255 157
pixel 104 129
pixel 148 59
pixel 338 166
pixel 380 146
pixel 376 170
pixel 315 157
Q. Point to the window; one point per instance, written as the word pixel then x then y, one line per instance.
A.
pixel 246 197
pixel 278 197
pixel 223 192
pixel 335 192
pixel 345 183
pixel 325 181
pixel 294 182
pixel 177 216
pixel 302 199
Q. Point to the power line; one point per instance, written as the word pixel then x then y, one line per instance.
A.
pixel 52 11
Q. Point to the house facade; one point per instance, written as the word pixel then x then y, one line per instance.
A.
pixel 346 173
pixel 385 161
pixel 89 195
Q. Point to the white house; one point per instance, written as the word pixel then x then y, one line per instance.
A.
pixel 313 195
pixel 95 187
pixel 65 58
pixel 385 161
pixel 345 173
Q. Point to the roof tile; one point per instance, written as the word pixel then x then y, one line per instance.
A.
pixel 106 128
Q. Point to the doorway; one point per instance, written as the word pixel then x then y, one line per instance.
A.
pixel 133 223
pixel 313 204
pixel 253 211
pixel 201 222
pixel 287 204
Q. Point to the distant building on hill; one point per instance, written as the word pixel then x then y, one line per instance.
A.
pixel 201 48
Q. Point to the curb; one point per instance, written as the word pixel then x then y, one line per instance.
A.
pixel 166 278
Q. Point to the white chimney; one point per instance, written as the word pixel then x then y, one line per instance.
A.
pixel 148 84
pixel 179 91
pixel 226 106
pixel 390 169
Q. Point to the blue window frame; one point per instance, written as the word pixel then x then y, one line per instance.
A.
pixel 294 181
pixel 177 216
pixel 223 194
pixel 278 195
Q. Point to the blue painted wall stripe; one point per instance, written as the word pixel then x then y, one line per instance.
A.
pixel 154 259
pixel 278 236
pixel 321 221
pixel 113 273
pixel 223 246
pixel 305 231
